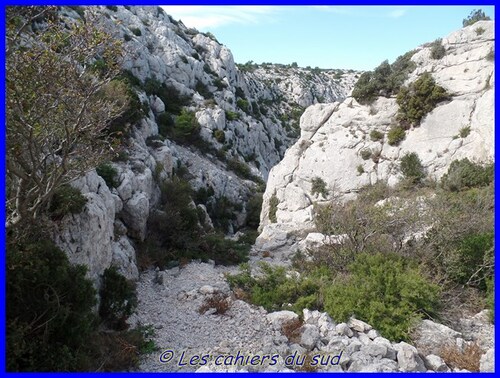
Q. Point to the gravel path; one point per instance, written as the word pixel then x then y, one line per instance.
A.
pixel 172 308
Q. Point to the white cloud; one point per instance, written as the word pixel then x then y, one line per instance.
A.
pixel 202 17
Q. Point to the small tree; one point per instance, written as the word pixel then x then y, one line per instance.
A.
pixel 475 16
pixel 418 99
pixel 411 167
pixel 60 100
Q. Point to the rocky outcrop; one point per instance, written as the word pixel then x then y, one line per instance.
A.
pixel 252 113
pixel 336 144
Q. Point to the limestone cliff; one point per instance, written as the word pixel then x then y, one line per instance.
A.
pixel 256 110
pixel 336 146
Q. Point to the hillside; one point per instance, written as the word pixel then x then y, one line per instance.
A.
pixel 164 202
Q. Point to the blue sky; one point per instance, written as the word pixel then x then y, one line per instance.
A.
pixel 357 37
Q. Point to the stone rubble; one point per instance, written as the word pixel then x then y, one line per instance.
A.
pixel 170 305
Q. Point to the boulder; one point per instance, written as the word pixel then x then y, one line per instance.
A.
pixel 408 358
pixel 310 336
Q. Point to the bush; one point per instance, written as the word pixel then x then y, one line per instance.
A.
pixel 66 200
pixel 254 207
pixel 395 135
pixel 222 211
pixel 385 80
pixel 49 308
pixel 437 49
pixel 171 97
pixel 419 99
pixel 186 128
pixel 376 135
pixel 464 174
pixel 165 124
pixel 216 301
pixel 475 16
pixel 240 168
pixel 275 289
pixel 468 358
pixel 464 132
pixel 219 136
pixel 365 153
pixel 222 251
pixel 135 110
pixel 108 173
pixel 203 90
pixel 273 208
pixel 118 299
pixel 471 262
pixel 243 105
pixel 232 116
pixel 127 38
pixel 411 167
pixel 387 291
pixel 480 30
pixel 136 31
pixel 318 186
pixel 113 8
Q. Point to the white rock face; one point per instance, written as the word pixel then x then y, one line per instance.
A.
pixel 87 238
pixel 334 135
pixel 187 60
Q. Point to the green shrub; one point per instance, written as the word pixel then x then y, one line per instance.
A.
pixel 472 261
pixel 243 104
pixel 49 317
pixel 219 136
pixel 419 99
pixel 385 290
pixel 365 154
pixel 360 169
pixel 464 174
pixel 475 16
pixel 186 128
pixel 171 97
pixel 376 135
pixel 275 289
pixel 66 200
pixel 118 299
pixel 273 208
pixel 437 49
pixel 127 38
pixel 318 186
pixel 165 124
pixel 222 251
pixel 136 31
pixel 113 8
pixel 240 168
pixel 232 116
pixel 219 83
pixel 411 167
pixel 385 80
pixel 480 30
pixel 108 173
pixel 464 132
pixel 395 135
pixel 254 207
pixel 222 211
pixel 135 110
pixel 203 90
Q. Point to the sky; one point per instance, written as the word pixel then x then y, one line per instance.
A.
pixel 347 37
